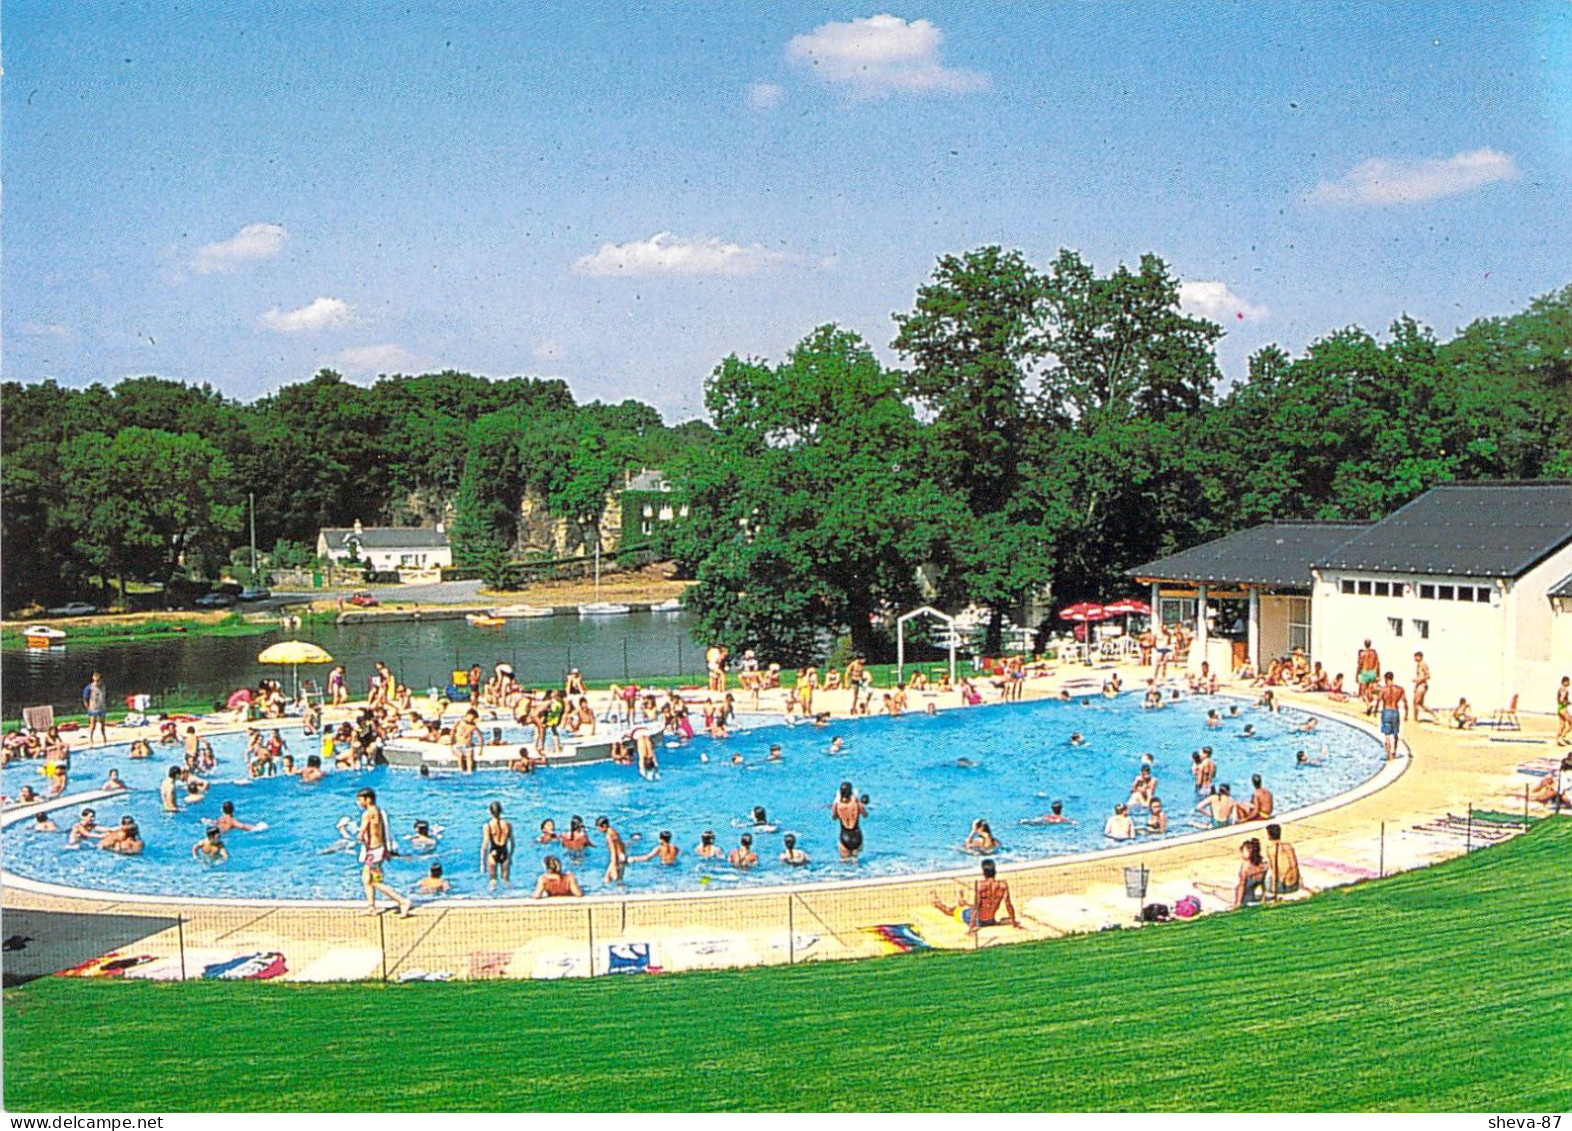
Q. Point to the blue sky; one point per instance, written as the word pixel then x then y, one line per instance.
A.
pixel 244 193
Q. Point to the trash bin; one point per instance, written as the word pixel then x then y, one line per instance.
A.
pixel 1135 882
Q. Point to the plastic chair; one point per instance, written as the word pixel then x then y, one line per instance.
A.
pixel 1506 718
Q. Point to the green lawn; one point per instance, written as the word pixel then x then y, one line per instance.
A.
pixel 1437 990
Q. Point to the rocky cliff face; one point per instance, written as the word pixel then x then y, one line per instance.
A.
pixel 542 532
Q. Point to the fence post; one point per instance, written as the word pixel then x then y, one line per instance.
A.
pixel 1525 806
pixel 1468 843
pixel 589 919
pixel 180 927
pixel 791 930
pixel 382 940
pixel 1381 867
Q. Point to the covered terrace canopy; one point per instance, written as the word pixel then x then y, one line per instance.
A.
pixel 1272 561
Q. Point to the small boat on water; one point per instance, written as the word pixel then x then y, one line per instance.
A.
pixel 603 609
pixel 510 611
pixel 670 605
pixel 485 620
pixel 42 636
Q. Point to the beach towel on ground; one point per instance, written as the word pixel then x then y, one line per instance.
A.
pixel 628 958
pixel 897 938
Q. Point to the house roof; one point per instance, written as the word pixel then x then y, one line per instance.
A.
pixel 1480 529
pixel 647 480
pixel 386 537
pixel 1562 588
pixel 1277 554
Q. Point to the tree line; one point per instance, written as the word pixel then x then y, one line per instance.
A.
pixel 1058 426
pixel 148 480
pixel 1045 426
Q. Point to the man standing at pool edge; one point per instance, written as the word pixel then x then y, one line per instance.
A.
pixel 1391 697
pixel 96 699
pixel 373 837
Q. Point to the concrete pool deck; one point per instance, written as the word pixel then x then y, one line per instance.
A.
pixel 1411 815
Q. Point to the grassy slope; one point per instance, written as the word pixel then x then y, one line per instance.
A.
pixel 1437 990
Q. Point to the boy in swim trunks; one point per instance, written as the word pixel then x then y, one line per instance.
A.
pixel 1391 697
pixel 373 837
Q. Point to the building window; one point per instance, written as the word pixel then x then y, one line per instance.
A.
pixel 1299 623
pixel 1382 589
pixel 682 511
pixel 644 527
pixel 1172 610
pixel 1395 624
pixel 1484 595
pixel 1422 629
pixel 1444 592
pixel 665 514
pixel 1465 592
pixel 649 512
pixel 1427 592
pixel 1348 586
pixel 1364 589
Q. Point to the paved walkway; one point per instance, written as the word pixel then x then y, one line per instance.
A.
pixel 1415 814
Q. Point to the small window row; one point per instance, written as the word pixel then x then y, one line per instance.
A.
pixel 1428 591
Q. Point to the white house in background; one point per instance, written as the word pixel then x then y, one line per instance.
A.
pixel 1477 576
pixel 386 548
pixel 1464 574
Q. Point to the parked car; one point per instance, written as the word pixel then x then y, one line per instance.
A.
pixel 214 601
pixel 258 594
pixel 362 599
pixel 74 609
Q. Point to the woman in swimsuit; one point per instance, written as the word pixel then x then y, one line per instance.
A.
pixel 496 847
pixel 1252 873
pixel 849 812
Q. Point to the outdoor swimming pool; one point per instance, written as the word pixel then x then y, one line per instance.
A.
pixel 928 777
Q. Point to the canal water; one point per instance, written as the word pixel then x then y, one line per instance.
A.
pixel 421 653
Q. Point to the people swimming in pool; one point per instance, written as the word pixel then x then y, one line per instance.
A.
pixel 577 838
pixel 707 848
pixel 227 822
pixel 980 839
pixel 775 752
pixel 665 851
pixel 425 837
pixel 548 832
pixel 792 855
pixel 1119 826
pixel 496 847
pixel 1054 816
pixel 1249 731
pixel 1213 719
pixel 433 882
pixel 759 821
pixel 125 840
pixel 210 849
pixel 86 828
pixel 1077 739
pixel 1156 818
pixel 616 849
pixel 1220 806
pixel 113 782
pixel 837 745
pixel 848 812
pixel 743 857
pixel 1303 758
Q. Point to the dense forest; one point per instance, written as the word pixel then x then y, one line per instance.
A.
pixel 149 480
pixel 1044 426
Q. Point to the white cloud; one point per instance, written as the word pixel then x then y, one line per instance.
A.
pixel 253 242
pixel 666 254
pixel 1377 180
pixel 1214 300
pixel 319 314
pixel 875 55
pixel 386 357
pixel 765 95
pixel 47 330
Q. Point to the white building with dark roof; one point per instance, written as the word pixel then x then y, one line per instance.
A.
pixel 1464 574
pixel 386 548
pixel 1477 576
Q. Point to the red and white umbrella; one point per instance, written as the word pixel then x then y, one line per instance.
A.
pixel 1128 608
pixel 1083 612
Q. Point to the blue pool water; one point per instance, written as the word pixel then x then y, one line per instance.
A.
pixel 924 796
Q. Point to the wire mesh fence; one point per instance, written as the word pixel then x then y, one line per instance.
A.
pixel 566 937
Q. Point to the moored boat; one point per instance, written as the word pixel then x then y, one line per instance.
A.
pixel 603 609
pixel 42 636
pixel 485 620
pixel 511 611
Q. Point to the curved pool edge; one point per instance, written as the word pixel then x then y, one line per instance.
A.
pixel 1391 770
